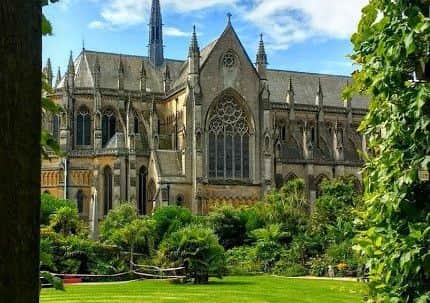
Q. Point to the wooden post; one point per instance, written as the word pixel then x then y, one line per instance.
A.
pixel 20 130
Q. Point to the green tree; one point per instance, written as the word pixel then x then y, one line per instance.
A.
pixel 229 224
pixel 138 233
pixel 197 248
pixel 117 218
pixel 391 46
pixel 49 205
pixel 66 221
pixel 170 219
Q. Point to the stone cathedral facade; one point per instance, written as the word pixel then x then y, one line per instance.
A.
pixel 213 127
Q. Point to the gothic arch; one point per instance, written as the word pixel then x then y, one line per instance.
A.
pixel 80 201
pixel 229 138
pixel 83 126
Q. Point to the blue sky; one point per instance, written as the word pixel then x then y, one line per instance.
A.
pixel 302 35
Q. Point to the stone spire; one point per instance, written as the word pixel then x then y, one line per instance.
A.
pixel 70 75
pixel 97 73
pixel 194 54
pixel 320 96
pixel 261 61
pixel 48 72
pixel 167 79
pixel 143 77
pixel 156 56
pixel 290 92
pixel 120 74
pixel 58 78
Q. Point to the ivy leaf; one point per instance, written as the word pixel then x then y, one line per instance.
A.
pixel 46 26
pixel 410 43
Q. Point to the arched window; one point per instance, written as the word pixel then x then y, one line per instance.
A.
pixel 136 125
pixel 83 127
pixel 142 190
pixel 107 197
pixel 56 126
pixel 229 133
pixel 80 201
pixel 108 126
pixel 179 200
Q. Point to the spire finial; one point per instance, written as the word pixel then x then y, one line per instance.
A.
pixel 156 55
pixel 194 46
pixel 261 53
pixel 71 66
pixel 229 15
pixel 58 79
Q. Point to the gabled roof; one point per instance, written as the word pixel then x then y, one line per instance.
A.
pixel 305 87
pixel 109 62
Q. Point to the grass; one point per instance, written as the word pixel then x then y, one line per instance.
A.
pixel 229 289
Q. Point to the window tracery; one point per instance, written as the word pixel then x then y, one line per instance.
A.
pixel 83 127
pixel 228 141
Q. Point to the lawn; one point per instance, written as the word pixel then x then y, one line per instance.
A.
pixel 227 290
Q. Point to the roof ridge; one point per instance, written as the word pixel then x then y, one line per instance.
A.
pixel 307 73
pixel 129 55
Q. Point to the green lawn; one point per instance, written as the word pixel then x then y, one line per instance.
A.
pixel 229 289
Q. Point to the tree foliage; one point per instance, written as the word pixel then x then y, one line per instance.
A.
pixel 391 43
pixel 116 219
pixel 197 248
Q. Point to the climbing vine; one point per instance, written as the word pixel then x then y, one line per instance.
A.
pixel 391 48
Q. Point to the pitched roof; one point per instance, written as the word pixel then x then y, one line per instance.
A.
pixel 305 86
pixel 109 63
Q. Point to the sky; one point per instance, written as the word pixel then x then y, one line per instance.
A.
pixel 300 35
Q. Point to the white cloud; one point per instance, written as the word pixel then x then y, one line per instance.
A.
pixel 96 24
pixel 175 32
pixel 284 22
pixel 289 21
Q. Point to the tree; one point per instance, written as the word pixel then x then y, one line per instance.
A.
pixel 20 86
pixel 170 219
pixel 117 218
pixel 197 248
pixel 66 221
pixel 391 46
pixel 229 224
pixel 139 232
pixel 49 205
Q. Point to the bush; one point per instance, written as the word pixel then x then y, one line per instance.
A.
pixel 229 224
pixel 289 269
pixel 66 221
pixel 170 219
pixel 49 205
pixel 242 260
pixel 318 266
pixel 197 249
pixel 117 218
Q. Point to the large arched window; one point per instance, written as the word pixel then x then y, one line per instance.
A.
pixel 83 127
pixel 229 133
pixel 107 186
pixel 108 126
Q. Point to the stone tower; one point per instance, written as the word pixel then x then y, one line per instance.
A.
pixel 156 35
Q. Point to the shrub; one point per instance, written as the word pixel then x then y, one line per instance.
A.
pixel 289 269
pixel 49 205
pixel 242 260
pixel 66 221
pixel 197 249
pixel 229 224
pixel 318 266
pixel 117 218
pixel 169 219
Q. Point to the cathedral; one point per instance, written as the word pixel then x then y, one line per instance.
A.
pixel 215 127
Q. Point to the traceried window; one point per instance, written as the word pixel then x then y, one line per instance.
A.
pixel 83 127
pixel 228 59
pixel 228 141
pixel 108 126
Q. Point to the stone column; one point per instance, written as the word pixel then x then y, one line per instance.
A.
pixel 116 194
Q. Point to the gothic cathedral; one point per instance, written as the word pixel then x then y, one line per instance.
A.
pixel 213 128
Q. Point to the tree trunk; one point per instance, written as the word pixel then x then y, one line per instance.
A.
pixel 20 88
